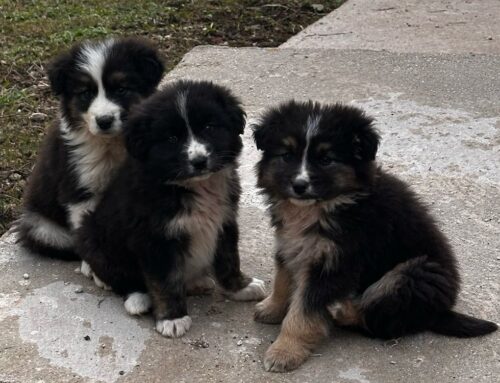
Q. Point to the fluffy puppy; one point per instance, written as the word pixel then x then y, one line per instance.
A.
pixel 353 242
pixel 168 220
pixel 97 83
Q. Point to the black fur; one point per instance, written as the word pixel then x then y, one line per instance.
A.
pixel 131 71
pixel 129 241
pixel 382 230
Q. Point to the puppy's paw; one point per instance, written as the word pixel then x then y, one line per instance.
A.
pixel 86 270
pixel 174 328
pixel 269 312
pixel 101 284
pixel 254 291
pixel 138 303
pixel 201 286
pixel 282 359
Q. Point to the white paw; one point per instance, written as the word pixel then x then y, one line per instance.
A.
pixel 138 303
pixel 101 284
pixel 174 328
pixel 86 270
pixel 253 292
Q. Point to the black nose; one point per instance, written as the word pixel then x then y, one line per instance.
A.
pixel 105 122
pixel 300 186
pixel 199 163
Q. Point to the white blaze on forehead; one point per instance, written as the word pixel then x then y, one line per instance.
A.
pixel 311 129
pixel 194 148
pixel 92 59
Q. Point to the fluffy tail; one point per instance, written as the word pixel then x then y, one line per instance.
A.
pixel 462 326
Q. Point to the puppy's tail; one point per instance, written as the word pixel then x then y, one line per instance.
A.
pixel 459 325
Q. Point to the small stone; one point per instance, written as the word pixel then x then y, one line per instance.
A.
pixel 239 343
pixel 79 290
pixel 392 362
pixel 86 337
pixel 318 7
pixel 15 177
pixel 121 372
pixel 26 276
pixel 38 117
pixel 103 345
pixel 498 258
pixel 490 37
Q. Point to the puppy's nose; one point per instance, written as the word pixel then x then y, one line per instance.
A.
pixel 105 122
pixel 199 162
pixel 300 186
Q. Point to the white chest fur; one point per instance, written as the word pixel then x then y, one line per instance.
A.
pixel 95 159
pixel 209 209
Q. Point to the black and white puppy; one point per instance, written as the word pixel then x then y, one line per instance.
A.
pixel 97 83
pixel 168 220
pixel 353 242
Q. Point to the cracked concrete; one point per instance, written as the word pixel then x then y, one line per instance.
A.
pixel 439 118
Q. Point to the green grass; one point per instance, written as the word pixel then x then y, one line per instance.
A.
pixel 31 32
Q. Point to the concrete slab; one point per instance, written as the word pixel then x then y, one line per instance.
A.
pixel 424 26
pixel 440 122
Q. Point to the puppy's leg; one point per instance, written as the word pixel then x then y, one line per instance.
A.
pixel 163 268
pixel 301 331
pixel 408 298
pixel 273 309
pixel 236 285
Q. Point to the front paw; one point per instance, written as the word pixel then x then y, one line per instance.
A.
pixel 281 359
pixel 173 328
pixel 254 291
pixel 268 312
pixel 85 270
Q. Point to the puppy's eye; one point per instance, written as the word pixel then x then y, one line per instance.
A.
pixel 121 90
pixel 172 139
pixel 326 160
pixel 85 94
pixel 287 157
pixel 210 127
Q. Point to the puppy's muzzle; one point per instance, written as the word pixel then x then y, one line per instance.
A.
pixel 105 122
pixel 199 163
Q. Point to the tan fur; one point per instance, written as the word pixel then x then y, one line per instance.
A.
pixel 300 333
pixel 273 309
pixel 210 210
pixel 346 313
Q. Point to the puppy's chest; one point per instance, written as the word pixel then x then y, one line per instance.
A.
pixel 95 161
pixel 202 217
pixel 298 240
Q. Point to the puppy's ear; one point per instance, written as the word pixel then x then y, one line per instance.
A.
pixel 58 72
pixel 150 66
pixel 365 140
pixel 260 134
pixel 137 134
pixel 233 109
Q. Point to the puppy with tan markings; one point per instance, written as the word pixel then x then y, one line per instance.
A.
pixel 168 222
pixel 97 82
pixel 354 245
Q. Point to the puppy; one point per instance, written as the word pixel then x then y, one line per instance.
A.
pixel 168 220
pixel 97 83
pixel 353 242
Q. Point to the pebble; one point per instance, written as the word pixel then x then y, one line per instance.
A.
pixel 79 290
pixel 318 7
pixel 15 177
pixel 38 117
pixel 239 343
pixel 392 362
pixel 26 276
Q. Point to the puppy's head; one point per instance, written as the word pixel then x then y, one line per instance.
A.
pixel 314 153
pixel 187 131
pixel 98 82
